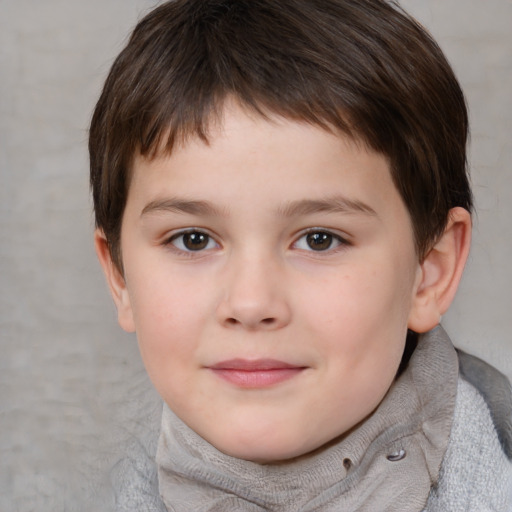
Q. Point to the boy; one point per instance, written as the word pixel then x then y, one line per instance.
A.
pixel 282 211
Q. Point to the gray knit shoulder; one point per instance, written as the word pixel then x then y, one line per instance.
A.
pixel 476 475
pixel 495 389
pixel 135 482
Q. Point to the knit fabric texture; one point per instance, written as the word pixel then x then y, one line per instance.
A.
pixel 476 476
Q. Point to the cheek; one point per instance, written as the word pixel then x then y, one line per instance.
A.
pixel 169 313
pixel 347 299
pixel 169 332
pixel 362 314
pixel 162 294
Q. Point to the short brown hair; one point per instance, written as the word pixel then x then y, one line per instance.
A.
pixel 363 67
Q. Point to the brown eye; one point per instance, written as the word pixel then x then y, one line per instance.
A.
pixel 319 241
pixel 193 241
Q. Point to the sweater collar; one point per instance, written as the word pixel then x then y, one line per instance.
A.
pixel 388 463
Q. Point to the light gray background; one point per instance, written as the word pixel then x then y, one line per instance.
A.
pixel 73 390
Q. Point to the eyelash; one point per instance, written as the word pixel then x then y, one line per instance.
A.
pixel 170 242
pixel 333 238
pixel 341 242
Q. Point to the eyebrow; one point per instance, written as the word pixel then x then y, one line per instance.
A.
pixel 177 205
pixel 335 204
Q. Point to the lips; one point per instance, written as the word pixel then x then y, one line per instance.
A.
pixel 257 373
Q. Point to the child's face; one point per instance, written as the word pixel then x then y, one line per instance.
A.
pixel 270 276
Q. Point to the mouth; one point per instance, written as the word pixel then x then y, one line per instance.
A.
pixel 259 373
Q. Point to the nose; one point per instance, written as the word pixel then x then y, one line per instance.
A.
pixel 254 296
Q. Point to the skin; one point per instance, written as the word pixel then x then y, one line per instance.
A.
pixel 256 286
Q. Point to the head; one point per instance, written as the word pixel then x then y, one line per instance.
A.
pixel 219 112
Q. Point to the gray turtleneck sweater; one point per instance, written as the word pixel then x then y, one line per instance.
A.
pixel 441 440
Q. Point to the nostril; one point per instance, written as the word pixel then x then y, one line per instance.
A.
pixel 234 322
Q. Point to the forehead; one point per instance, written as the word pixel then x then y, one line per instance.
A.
pixel 230 114
pixel 265 159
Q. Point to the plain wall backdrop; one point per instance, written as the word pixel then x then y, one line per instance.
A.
pixel 72 388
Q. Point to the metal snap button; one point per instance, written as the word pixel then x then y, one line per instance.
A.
pixel 396 456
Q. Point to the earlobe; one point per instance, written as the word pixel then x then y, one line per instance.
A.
pixel 440 272
pixel 115 281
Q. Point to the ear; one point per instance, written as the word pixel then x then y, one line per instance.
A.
pixel 115 282
pixel 440 273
